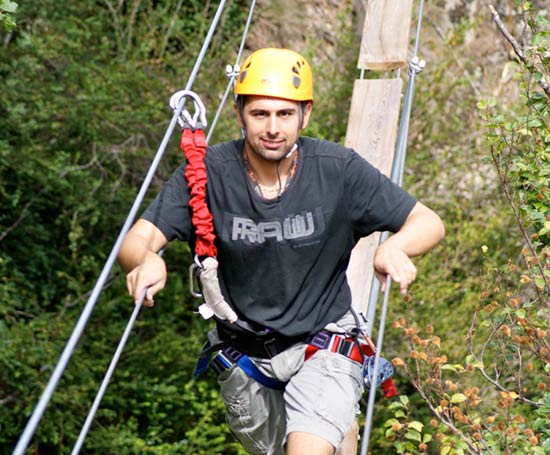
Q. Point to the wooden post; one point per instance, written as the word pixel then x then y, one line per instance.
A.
pixel 372 131
pixel 374 114
pixel 386 32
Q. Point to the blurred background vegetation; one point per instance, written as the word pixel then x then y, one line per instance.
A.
pixel 84 89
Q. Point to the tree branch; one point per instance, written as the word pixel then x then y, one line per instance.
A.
pixel 515 45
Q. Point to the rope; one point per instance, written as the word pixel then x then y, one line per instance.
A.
pixel 398 166
pixel 45 398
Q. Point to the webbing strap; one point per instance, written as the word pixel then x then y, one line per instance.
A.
pixel 362 354
pixel 253 372
pixel 230 356
pixel 193 143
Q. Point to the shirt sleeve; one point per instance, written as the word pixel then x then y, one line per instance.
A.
pixel 170 210
pixel 375 202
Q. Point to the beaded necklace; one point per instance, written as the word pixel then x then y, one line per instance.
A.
pixel 270 192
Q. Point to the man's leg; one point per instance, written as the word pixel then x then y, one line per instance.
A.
pixel 321 404
pixel 300 443
pixel 349 444
pixel 255 414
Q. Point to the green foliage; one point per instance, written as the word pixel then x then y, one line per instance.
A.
pixel 494 398
pixel 84 103
pixel 408 437
pixel 83 106
pixel 7 11
pixel 333 90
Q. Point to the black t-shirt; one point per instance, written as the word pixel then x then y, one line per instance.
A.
pixel 283 261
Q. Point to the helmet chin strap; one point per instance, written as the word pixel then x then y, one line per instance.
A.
pixel 291 152
pixel 295 146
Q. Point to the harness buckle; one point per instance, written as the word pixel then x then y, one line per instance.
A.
pixel 321 340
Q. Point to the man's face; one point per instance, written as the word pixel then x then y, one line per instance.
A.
pixel 272 125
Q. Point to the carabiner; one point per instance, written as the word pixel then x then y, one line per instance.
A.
pixel 185 119
pixel 194 271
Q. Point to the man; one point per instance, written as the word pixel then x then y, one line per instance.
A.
pixel 287 211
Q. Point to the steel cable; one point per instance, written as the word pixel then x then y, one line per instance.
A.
pixel 233 74
pixel 398 166
pixel 45 398
pixel 118 352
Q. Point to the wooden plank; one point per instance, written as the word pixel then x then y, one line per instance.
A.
pixel 385 38
pixel 372 132
pixel 373 117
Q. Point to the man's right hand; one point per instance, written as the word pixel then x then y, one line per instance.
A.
pixel 149 275
pixel 139 257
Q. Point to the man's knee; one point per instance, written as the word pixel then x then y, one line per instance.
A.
pixel 299 443
pixel 349 444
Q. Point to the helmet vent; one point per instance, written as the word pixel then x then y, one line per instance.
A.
pixel 296 80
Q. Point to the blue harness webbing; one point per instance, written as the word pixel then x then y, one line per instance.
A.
pixel 229 356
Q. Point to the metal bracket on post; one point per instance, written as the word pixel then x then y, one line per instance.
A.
pixel 232 72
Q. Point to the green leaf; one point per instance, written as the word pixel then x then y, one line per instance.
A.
pixel 390 422
pixel 458 398
pixel 540 283
pixel 449 367
pixel 413 435
pixel 395 405
pixel 8 7
pixel 478 363
pixel 418 426
pixel 457 367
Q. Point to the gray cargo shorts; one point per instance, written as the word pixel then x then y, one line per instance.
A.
pixel 321 397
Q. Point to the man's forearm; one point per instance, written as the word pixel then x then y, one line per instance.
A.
pixel 422 231
pixel 133 252
pixel 142 241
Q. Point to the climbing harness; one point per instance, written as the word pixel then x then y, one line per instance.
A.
pixel 360 350
pixel 241 340
pixel 227 355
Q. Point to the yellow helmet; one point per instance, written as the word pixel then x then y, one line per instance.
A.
pixel 280 73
